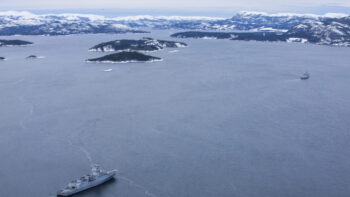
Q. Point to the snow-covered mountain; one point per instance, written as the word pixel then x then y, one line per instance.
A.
pixel 26 23
pixel 261 21
pixel 242 21
pixel 330 31
pixel 326 29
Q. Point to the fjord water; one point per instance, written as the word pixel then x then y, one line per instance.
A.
pixel 218 118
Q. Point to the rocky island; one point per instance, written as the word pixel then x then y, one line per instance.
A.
pixel 144 44
pixel 125 57
pixel 14 43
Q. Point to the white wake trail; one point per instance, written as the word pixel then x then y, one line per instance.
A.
pixel 31 109
pixel 132 183
pixel 77 140
pixel 87 155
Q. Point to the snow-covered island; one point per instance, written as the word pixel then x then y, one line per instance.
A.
pixel 125 57
pixel 144 44
pixel 14 43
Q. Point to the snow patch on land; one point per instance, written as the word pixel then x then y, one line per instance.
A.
pixel 302 40
pixel 180 45
pixel 209 38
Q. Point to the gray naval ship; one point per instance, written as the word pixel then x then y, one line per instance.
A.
pixel 96 177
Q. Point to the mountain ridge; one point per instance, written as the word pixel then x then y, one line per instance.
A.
pixel 331 28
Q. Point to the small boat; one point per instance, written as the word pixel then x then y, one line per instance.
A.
pixel 305 76
pixel 32 57
pixel 97 177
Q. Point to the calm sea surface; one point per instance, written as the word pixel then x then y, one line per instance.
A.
pixel 218 118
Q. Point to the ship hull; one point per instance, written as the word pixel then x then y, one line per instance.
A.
pixel 91 184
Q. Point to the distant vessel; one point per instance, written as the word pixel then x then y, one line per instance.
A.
pixel 32 57
pixel 96 177
pixel 305 76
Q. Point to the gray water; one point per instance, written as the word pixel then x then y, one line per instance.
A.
pixel 218 118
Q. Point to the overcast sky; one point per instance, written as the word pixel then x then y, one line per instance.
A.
pixel 312 6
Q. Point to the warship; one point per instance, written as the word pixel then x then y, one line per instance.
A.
pixel 95 178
